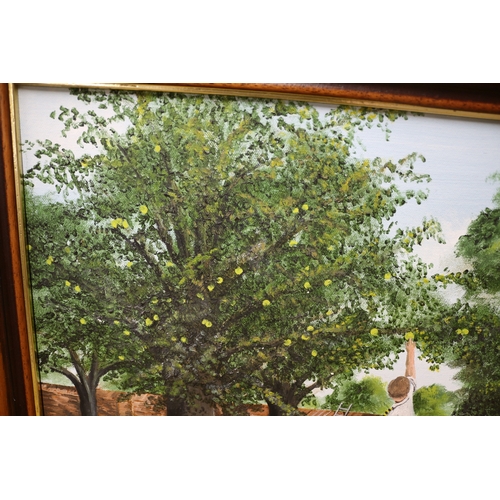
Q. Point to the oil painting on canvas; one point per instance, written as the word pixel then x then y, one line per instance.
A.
pixel 216 255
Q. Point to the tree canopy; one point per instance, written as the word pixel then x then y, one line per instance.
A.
pixel 241 243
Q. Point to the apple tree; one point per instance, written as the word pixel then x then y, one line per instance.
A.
pixel 252 254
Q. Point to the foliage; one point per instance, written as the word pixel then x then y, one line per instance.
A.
pixel 475 341
pixel 368 395
pixel 480 247
pixel 74 290
pixel 476 354
pixel 478 400
pixel 433 400
pixel 246 248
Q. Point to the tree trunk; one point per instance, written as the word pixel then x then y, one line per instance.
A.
pixel 287 407
pixel 200 409
pixel 88 400
pixel 86 392
pixel 175 407
pixel 276 410
pixel 285 398
pixel 86 383
pixel 190 406
pixel 180 408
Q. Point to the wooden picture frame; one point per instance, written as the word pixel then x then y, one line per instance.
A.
pixel 19 394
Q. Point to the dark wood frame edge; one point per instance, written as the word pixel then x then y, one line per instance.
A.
pixel 17 392
pixel 469 97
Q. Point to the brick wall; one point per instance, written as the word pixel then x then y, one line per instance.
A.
pixel 61 400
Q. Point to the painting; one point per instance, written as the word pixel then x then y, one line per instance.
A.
pixel 202 254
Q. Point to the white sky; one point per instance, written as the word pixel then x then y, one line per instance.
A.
pixel 461 154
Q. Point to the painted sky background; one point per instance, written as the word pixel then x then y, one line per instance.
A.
pixel 460 156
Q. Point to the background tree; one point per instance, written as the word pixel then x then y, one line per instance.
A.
pixel 469 339
pixel 479 246
pixel 75 298
pixel 260 257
